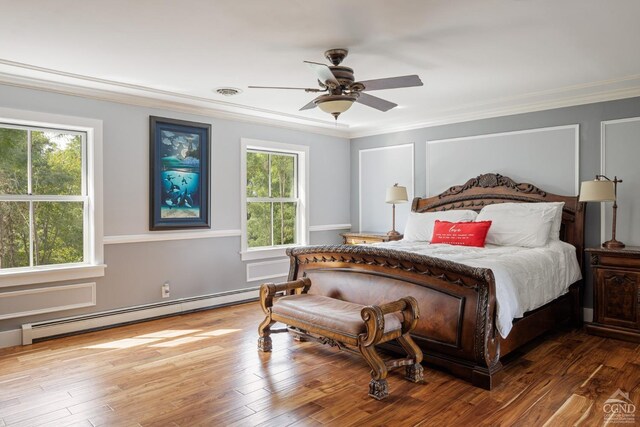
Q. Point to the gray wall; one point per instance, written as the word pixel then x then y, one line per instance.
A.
pixel 621 151
pixel 588 117
pixel 195 267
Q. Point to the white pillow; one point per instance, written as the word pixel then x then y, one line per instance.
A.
pixel 419 226
pixel 521 224
pixel 554 234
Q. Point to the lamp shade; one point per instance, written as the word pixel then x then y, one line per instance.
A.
pixel 597 191
pixel 397 194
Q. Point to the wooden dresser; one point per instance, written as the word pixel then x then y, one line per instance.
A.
pixel 616 293
pixel 364 238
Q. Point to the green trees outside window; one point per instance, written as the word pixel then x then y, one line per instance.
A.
pixel 42 197
pixel 271 198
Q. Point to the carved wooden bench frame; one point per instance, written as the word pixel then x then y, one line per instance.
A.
pixel 373 318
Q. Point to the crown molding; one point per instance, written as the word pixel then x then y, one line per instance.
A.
pixel 156 98
pixel 486 111
pixel 114 91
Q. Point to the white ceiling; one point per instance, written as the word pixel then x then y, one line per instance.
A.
pixel 477 58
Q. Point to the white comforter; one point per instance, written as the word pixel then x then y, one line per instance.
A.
pixel 526 278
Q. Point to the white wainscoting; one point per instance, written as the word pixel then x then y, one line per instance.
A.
pixel 266 270
pixel 49 299
pixel 546 157
pixel 378 169
pixel 620 152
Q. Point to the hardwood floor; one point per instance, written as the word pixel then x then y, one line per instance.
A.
pixel 204 369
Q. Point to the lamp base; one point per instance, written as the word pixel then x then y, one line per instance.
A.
pixel 393 233
pixel 613 244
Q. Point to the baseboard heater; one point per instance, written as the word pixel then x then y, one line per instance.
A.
pixel 38 331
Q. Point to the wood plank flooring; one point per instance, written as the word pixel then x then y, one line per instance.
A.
pixel 204 369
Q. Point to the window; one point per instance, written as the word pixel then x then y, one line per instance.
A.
pixel 48 203
pixel 274 205
pixel 271 198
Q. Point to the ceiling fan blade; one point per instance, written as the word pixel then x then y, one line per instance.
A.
pixel 283 87
pixel 324 72
pixel 392 82
pixel 375 102
pixel 309 106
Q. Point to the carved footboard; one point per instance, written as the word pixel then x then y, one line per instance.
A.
pixel 456 329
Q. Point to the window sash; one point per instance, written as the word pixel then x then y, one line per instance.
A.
pixel 32 199
pixel 273 201
pixel 83 154
pixel 296 159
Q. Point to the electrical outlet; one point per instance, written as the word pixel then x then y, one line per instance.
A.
pixel 166 292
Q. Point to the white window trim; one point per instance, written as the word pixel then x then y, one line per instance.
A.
pixel 94 265
pixel 302 226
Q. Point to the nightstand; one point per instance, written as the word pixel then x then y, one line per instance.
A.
pixel 616 293
pixel 364 238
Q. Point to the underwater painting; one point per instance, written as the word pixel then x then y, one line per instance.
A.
pixel 179 174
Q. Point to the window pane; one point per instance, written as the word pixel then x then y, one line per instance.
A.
pixel 56 160
pixel 257 174
pixel 58 233
pixel 258 224
pixel 282 176
pixel 14 234
pixel 284 223
pixel 13 161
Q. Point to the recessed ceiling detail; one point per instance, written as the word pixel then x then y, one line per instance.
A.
pixel 476 59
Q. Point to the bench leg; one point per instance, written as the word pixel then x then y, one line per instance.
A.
pixel 299 338
pixel 264 332
pixel 415 372
pixel 378 386
pixel 378 389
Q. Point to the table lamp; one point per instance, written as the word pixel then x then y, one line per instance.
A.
pixel 396 194
pixel 603 189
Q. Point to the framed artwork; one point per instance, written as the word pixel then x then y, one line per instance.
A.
pixel 179 174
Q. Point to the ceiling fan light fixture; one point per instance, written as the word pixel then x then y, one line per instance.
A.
pixel 342 89
pixel 335 104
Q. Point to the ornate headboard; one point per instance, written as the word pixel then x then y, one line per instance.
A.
pixel 492 188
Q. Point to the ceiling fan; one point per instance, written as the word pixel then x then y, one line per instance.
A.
pixel 341 88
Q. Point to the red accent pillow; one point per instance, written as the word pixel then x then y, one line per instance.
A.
pixel 461 233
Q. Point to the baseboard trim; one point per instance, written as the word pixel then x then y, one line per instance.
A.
pixel 16 337
pixel 32 332
pixel 10 338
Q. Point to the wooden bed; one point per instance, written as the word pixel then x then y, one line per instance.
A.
pixel 456 329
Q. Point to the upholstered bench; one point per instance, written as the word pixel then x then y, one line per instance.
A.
pixel 345 325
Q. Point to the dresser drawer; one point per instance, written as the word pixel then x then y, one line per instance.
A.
pixel 357 241
pixel 367 238
pixel 615 260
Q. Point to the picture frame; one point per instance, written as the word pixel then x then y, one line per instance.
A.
pixel 180 171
